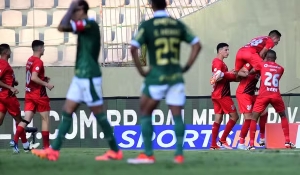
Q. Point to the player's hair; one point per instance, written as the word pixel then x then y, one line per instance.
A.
pixel 85 6
pixel 275 33
pixel 271 54
pixel 221 45
pixel 36 43
pixel 159 4
pixel 3 48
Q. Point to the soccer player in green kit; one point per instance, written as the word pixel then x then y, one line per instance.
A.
pixel 162 35
pixel 86 84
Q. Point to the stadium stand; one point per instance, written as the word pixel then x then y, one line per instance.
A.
pixel 25 20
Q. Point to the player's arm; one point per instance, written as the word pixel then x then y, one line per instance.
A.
pixel 65 25
pixel 194 41
pixel 136 43
pixel 2 84
pixel 35 76
pixel 269 45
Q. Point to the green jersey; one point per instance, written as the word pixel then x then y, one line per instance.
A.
pixel 88 48
pixel 162 35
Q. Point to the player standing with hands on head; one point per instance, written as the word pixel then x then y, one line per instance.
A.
pixel 8 100
pixel 162 35
pixel 221 97
pixel 86 85
pixel 36 98
pixel 269 93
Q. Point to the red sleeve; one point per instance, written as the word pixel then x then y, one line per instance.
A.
pixel 3 68
pixel 217 65
pixel 230 76
pixel 269 44
pixel 259 66
pixel 78 26
pixel 37 66
pixel 248 66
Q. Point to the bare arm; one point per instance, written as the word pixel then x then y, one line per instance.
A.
pixel 196 48
pixel 243 72
pixel 263 52
pixel 134 53
pixel 5 85
pixel 65 25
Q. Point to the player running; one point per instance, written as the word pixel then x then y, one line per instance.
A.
pixel 269 93
pixel 254 52
pixel 221 99
pixel 36 98
pixel 8 100
pixel 86 84
pixel 245 95
pixel 162 35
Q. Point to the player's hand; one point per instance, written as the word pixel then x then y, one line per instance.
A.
pixel 14 90
pixel 50 86
pixel 16 83
pixel 47 79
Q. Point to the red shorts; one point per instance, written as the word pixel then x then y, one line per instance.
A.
pixel 244 56
pixel 223 105
pixel 37 105
pixel 10 105
pixel 245 102
pixel 262 103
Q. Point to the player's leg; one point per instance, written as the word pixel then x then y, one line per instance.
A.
pixel 3 111
pixel 175 99
pixel 262 125
pixel 229 108
pixel 151 95
pixel 216 126
pixel 279 107
pixel 43 108
pixel 239 60
pixel 255 60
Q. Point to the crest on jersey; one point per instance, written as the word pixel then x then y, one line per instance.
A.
pixel 37 68
pixel 265 65
pixel 247 65
pixel 215 69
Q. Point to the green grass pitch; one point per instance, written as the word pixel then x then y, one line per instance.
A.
pixel 225 162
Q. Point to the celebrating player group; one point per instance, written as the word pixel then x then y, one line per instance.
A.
pixel 162 35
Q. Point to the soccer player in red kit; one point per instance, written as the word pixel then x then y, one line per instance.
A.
pixel 8 100
pixel 36 98
pixel 254 52
pixel 269 93
pixel 221 99
pixel 245 95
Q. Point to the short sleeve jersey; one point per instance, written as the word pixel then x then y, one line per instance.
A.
pixel 162 37
pixel 221 88
pixel 271 73
pixel 248 85
pixel 34 90
pixel 7 77
pixel 88 48
pixel 257 44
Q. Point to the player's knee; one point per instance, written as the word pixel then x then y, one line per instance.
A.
pixel 1 122
pixel 234 116
pixel 218 118
pixel 24 122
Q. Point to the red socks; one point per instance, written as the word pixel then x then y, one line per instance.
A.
pixel 230 124
pixel 244 130
pixel 19 132
pixel 22 135
pixel 262 125
pixel 45 136
pixel 252 132
pixel 285 128
pixel 215 132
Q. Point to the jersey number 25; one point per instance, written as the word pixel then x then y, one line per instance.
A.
pixel 166 46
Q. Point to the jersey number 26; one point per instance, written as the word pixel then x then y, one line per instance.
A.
pixel 271 80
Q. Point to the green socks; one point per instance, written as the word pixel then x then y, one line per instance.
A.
pixel 107 130
pixel 63 129
pixel 179 133
pixel 147 132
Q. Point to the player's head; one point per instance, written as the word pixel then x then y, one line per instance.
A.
pixel 223 50
pixel 81 11
pixel 270 56
pixel 5 51
pixel 275 36
pixel 38 47
pixel 158 5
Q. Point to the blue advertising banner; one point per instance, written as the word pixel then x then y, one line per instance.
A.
pixel 196 137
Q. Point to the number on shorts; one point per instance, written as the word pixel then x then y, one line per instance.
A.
pixel 256 42
pixel 272 80
pixel 28 77
pixel 168 46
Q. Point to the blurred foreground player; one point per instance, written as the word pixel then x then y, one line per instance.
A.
pixel 254 52
pixel 162 35
pixel 245 95
pixel 36 98
pixel 8 100
pixel 269 93
pixel 86 85
pixel 221 97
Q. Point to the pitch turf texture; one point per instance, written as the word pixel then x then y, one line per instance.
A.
pixel 227 162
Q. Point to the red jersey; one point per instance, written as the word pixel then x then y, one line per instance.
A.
pixel 221 88
pixel 257 44
pixel 6 76
pixel 271 73
pixel 34 90
pixel 248 85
